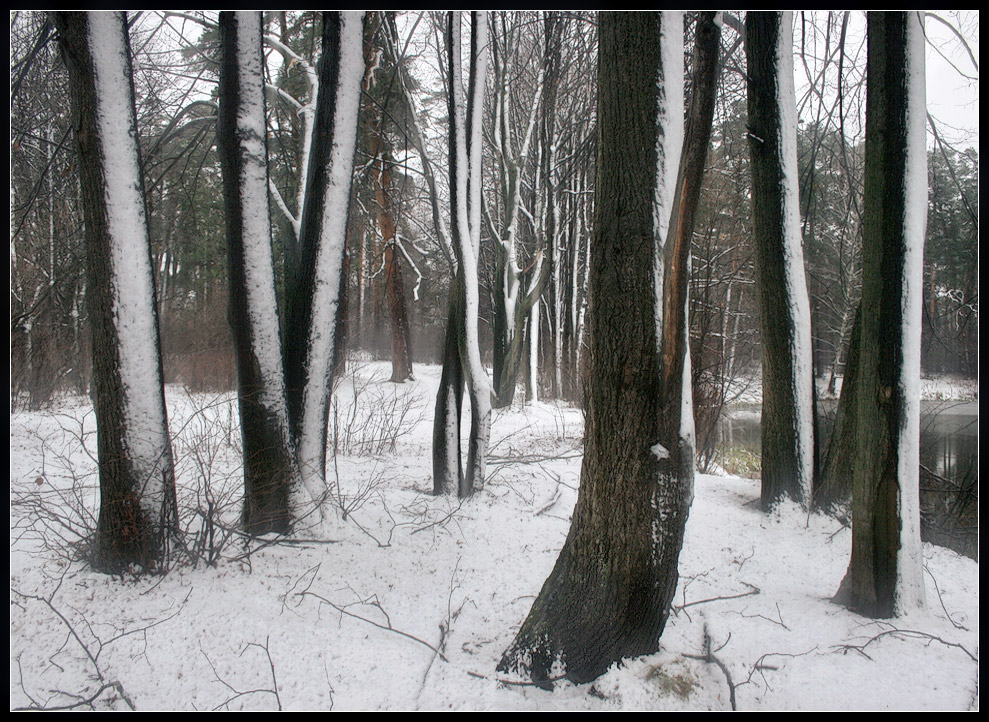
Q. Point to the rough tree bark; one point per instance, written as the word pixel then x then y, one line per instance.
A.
pixel 608 597
pixel 137 480
pixel 269 455
pixel 314 296
pixel 885 574
pixel 834 482
pixel 784 306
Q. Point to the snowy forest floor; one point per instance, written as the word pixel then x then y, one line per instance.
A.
pixel 409 601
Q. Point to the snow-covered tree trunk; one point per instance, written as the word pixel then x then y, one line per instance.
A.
pixel 784 306
pixel 608 597
pixel 137 482
pixel 314 299
pixel 676 438
pixel 885 576
pixel 532 349
pixel 465 200
pixel 270 470
pixel 448 471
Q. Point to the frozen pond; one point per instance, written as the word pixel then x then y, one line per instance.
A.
pixel 949 458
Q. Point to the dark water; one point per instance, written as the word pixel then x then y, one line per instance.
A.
pixel 949 461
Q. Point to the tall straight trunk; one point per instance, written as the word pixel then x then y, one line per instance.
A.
pixel 137 480
pixel 608 597
pixel 784 306
pixel 532 352
pixel 465 201
pixel 513 298
pixel 314 302
pixel 552 33
pixel 885 574
pixel 834 483
pixel 381 179
pixel 401 344
pixel 269 455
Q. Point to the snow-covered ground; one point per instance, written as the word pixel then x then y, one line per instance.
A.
pixel 409 602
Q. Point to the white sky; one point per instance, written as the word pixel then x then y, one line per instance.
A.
pixel 951 98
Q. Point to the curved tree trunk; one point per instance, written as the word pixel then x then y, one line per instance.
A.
pixel 784 306
pixel 608 596
pixel 137 480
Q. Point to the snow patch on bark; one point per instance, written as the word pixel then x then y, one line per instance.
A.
pixel 329 261
pixel 796 280
pixel 259 275
pixel 669 144
pixel 910 578
pixel 145 425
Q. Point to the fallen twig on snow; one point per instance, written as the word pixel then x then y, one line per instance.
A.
pixel 908 633
pixel 709 657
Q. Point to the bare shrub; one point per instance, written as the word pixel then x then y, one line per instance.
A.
pixel 370 415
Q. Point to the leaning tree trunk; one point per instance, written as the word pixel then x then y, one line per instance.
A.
pixel 608 597
pixel 269 456
pixel 314 299
pixel 784 306
pixel 676 405
pixel 885 575
pixel 137 480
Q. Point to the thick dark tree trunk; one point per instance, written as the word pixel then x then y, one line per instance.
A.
pixel 885 575
pixel 137 482
pixel 608 597
pixel 269 456
pixel 784 311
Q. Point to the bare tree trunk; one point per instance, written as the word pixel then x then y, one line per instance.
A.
pixel 465 200
pixel 447 459
pixel 784 306
pixel 834 483
pixel 269 455
pixel 314 302
pixel 137 480
pixel 608 596
pixel 885 574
